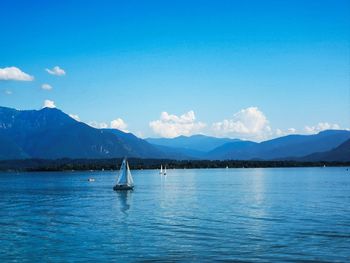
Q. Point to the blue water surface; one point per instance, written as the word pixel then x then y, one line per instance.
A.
pixel 279 215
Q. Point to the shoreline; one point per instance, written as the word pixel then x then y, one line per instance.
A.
pixel 37 165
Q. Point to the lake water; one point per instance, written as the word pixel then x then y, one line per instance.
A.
pixel 280 214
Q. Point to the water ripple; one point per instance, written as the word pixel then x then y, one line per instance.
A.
pixel 238 215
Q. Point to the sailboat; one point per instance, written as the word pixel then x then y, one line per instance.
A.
pixel 164 170
pixel 125 181
pixel 161 170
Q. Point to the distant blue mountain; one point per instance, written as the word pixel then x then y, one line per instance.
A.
pixel 340 153
pixel 180 153
pixel 240 150
pixel 137 146
pixel 145 148
pixel 286 147
pixel 50 133
pixel 198 143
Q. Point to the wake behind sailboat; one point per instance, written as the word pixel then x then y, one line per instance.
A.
pixel 125 181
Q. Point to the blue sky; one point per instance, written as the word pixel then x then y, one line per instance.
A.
pixel 247 69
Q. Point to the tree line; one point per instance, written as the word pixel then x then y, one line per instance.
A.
pixel 137 164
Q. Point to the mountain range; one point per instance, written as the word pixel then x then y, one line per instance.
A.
pixel 340 154
pixel 283 148
pixel 49 133
pixel 195 146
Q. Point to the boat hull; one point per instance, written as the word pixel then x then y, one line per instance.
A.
pixel 123 187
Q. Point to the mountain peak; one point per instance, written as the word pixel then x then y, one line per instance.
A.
pixel 50 133
pixel 49 109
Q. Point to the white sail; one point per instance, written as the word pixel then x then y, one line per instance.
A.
pixel 130 181
pixel 165 170
pixel 122 174
pixel 125 177
pixel 161 169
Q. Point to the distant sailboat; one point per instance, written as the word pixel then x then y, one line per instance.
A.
pixel 164 170
pixel 125 181
pixel 161 170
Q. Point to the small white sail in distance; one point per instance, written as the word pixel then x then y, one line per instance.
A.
pixel 161 169
pixel 164 170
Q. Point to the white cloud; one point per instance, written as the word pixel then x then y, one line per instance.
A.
pixel 49 104
pixel 289 131
pixel 57 71
pixel 249 123
pixel 46 86
pixel 74 116
pixel 119 124
pixel 140 134
pixel 321 126
pixel 98 125
pixel 170 125
pixel 13 73
pixel 292 130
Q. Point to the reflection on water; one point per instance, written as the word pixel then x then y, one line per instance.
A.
pixel 249 215
pixel 125 200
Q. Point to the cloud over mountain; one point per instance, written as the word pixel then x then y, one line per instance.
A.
pixel 119 124
pixel 49 104
pixel 321 126
pixel 98 125
pixel 170 125
pixel 249 123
